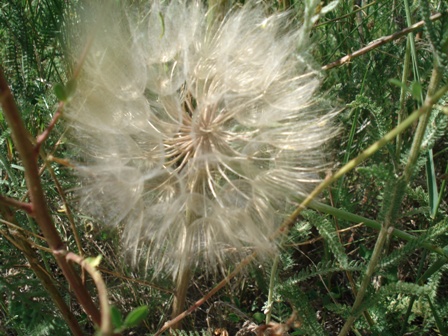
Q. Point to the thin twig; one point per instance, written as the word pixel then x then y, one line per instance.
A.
pixel 140 282
pixel 27 207
pixel 379 42
pixel 106 323
pixel 200 302
pixel 67 211
pixel 26 233
pixel 40 139
pixel 346 15
pixel 315 240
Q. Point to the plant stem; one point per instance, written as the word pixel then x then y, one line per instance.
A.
pixel 379 42
pixel 68 212
pixel 29 155
pixel 182 283
pixel 201 301
pixel 372 224
pixel 27 207
pixel 271 288
pixel 395 203
pixel 106 322
pixel 401 112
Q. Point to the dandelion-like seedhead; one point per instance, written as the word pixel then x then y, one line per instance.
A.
pixel 196 138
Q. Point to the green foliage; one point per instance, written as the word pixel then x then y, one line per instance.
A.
pixel 307 314
pixel 133 319
pixel 399 254
pixel 323 269
pixel 26 309
pixel 63 92
pixel 136 316
pixel 33 38
pixel 329 234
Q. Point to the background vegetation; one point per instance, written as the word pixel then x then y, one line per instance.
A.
pixel 373 251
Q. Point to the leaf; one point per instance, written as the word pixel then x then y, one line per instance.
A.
pixel 136 316
pixel 259 317
pixel 365 252
pixel 64 92
pixel 431 181
pixel 70 87
pixel 162 22
pixel 60 92
pixel 116 317
pixel 438 319
pixel 416 91
pixel 94 262
pixel 398 83
pixel 232 317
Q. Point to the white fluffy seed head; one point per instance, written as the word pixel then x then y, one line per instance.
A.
pixel 195 138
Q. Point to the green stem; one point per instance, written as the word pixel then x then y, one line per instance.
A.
pixel 401 112
pixel 348 216
pixel 377 251
pixel 397 197
pixel 271 288
pixel 183 281
pixel 184 274
pixel 412 42
pixel 352 164
pixel 348 151
pixel 423 123
pixel 441 192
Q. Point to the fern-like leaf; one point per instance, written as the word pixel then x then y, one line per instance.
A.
pixel 328 232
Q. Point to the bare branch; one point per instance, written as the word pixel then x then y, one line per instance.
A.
pixel 379 42
pixel 29 156
pixel 27 207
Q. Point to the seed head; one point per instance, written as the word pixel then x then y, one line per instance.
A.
pixel 196 139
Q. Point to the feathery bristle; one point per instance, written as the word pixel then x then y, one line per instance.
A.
pixel 196 138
